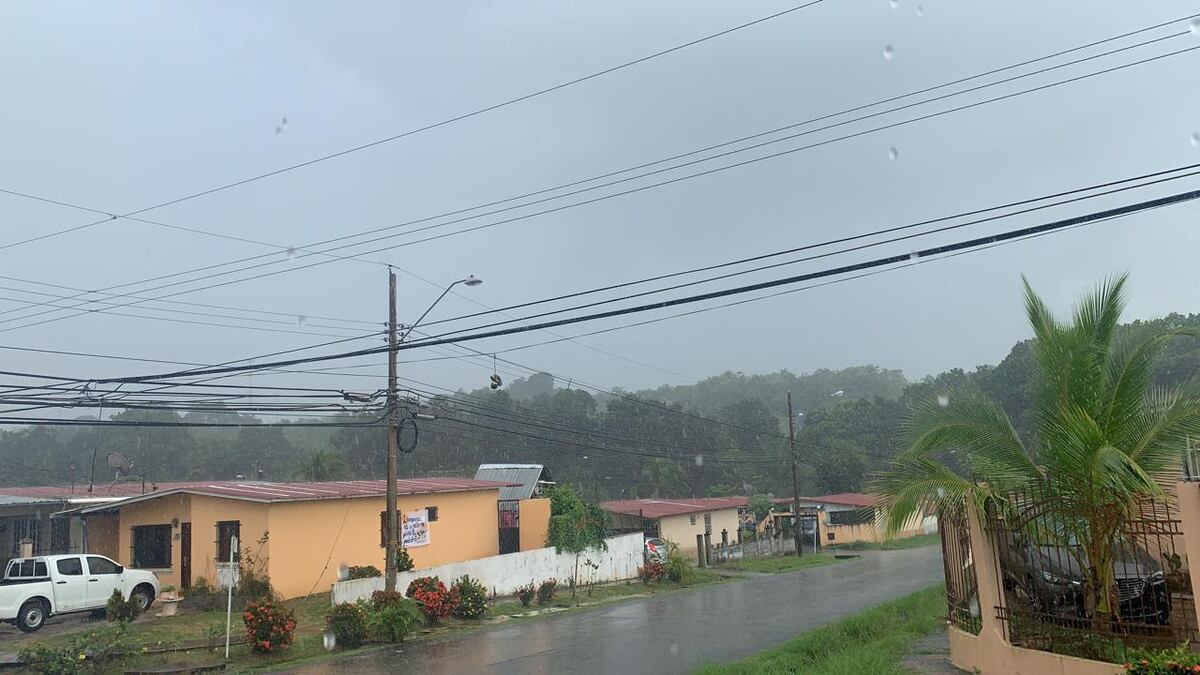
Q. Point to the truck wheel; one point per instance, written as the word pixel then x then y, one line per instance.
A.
pixel 31 616
pixel 143 596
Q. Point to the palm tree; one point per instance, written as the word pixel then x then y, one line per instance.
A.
pixel 1104 438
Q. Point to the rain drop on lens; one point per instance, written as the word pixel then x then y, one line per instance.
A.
pixel 301 320
pixel 888 52
pixel 291 252
pixel 1196 140
pixel 1194 26
pixel 920 10
pixel 893 153
pixel 943 400
pixel 894 3
pixel 914 255
pixel 329 640
pixel 699 460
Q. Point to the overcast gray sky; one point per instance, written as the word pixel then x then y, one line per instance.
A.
pixel 118 107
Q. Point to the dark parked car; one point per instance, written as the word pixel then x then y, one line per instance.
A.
pixel 1049 578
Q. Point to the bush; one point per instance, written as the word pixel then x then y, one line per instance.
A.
pixel 526 593
pixel 269 625
pixel 87 653
pixel 393 619
pixel 677 566
pixel 349 624
pixel 1147 662
pixel 469 598
pixel 545 591
pixel 404 561
pixel 652 571
pixel 198 588
pixel 433 597
pixel 382 599
pixel 363 572
pixel 120 609
pixel 254 586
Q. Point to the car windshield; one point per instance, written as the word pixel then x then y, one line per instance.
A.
pixel 800 306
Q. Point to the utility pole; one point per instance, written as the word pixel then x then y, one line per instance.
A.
pixel 393 428
pixel 795 480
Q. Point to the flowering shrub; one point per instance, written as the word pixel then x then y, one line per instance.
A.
pixel 433 597
pixel 269 626
pixel 393 619
pixel 349 624
pixel 1178 660
pixel 363 572
pixel 545 591
pixel 468 597
pixel 652 571
pixel 526 593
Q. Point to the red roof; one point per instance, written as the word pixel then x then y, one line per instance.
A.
pixel 658 508
pixel 101 489
pixel 266 492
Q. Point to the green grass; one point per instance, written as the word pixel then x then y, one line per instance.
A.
pixel 918 541
pixel 608 592
pixel 874 641
pixel 781 564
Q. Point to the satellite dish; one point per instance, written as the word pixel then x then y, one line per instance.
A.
pixel 119 463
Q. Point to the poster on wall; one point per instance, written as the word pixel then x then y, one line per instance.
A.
pixel 415 529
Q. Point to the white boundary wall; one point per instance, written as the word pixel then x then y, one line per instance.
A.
pixel 503 574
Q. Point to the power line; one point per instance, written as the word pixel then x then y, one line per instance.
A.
pixel 428 127
pixel 791 280
pixel 601 198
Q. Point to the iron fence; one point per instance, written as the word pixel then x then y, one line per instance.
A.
pixel 1090 584
pixel 962 585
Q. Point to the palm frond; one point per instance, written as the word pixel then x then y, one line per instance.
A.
pixel 974 430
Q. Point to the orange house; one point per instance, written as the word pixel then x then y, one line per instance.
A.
pixel 298 534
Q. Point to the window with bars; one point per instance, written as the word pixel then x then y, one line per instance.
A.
pixel 226 531
pixel 152 546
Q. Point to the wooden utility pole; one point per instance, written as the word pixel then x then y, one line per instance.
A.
pixel 795 480
pixel 393 424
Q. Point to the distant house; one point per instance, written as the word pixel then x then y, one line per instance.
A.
pixel 299 533
pixel 849 517
pixel 524 515
pixel 678 520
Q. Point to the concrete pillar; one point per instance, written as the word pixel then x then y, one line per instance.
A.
pixel 700 550
pixel 26 548
pixel 708 548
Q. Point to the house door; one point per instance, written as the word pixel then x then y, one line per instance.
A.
pixel 185 555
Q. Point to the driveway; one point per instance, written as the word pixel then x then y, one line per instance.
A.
pixel 674 633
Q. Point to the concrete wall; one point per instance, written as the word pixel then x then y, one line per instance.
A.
pixel 535 523
pixel 503 574
pixel 102 536
pixel 681 531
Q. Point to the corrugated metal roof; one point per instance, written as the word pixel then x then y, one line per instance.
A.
pixel 857 499
pixel 293 492
pixel 526 476
pixel 11 500
pixel 101 489
pixel 659 508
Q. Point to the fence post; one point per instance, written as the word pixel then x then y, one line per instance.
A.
pixel 700 550
pixel 708 548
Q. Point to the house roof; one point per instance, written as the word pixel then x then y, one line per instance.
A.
pixel 858 499
pixel 100 490
pixel 526 477
pixel 257 491
pixel 10 500
pixel 658 508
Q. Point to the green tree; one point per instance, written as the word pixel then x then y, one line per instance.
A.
pixel 575 526
pixel 1104 437
pixel 761 505
pixel 324 465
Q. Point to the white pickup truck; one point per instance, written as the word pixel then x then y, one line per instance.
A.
pixel 33 589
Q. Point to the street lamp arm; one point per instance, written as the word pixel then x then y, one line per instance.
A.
pixel 470 281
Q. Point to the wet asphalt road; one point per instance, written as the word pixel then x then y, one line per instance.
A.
pixel 667 634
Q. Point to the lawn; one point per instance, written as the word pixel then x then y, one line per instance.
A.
pixel 908 542
pixel 874 641
pixel 197 626
pixel 781 564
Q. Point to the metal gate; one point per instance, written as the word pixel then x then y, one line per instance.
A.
pixel 509 515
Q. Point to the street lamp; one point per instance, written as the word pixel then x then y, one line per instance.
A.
pixel 471 280
pixel 393 418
